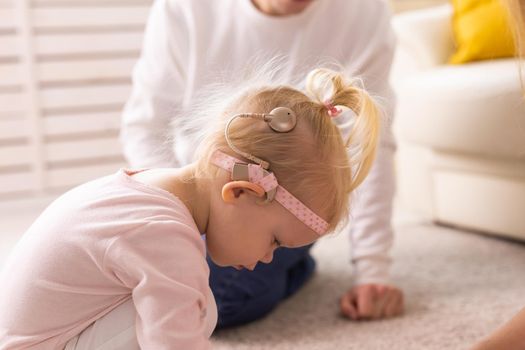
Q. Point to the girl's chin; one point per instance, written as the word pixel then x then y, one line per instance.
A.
pixel 217 261
pixel 223 263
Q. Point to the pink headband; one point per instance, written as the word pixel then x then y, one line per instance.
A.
pixel 259 176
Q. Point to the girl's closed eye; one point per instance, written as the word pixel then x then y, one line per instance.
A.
pixel 276 241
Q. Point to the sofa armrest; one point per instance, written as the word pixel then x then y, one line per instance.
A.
pixel 425 35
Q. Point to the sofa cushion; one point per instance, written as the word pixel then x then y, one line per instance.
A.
pixel 481 31
pixel 476 108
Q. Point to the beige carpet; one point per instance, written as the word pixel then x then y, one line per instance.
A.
pixel 458 286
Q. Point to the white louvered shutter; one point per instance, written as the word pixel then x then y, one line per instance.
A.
pixel 65 68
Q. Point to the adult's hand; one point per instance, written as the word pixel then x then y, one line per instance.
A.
pixel 372 302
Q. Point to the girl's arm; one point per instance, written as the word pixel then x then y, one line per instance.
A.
pixel 163 264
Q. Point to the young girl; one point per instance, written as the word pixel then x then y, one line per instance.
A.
pixel 273 171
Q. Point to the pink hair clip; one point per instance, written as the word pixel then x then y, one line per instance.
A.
pixel 333 111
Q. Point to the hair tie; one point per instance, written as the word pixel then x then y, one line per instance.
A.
pixel 333 111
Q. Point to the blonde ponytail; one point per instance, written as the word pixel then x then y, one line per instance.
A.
pixel 327 85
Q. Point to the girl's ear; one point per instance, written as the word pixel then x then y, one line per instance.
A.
pixel 233 190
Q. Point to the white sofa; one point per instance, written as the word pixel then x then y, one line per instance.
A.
pixel 460 130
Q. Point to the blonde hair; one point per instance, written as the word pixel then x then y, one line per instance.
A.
pixel 516 11
pixel 311 161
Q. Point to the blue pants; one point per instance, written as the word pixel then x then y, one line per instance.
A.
pixel 243 296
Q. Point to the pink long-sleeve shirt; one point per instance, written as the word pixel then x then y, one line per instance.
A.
pixel 94 248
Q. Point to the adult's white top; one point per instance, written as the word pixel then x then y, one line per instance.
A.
pixel 190 44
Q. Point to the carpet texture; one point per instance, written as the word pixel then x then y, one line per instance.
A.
pixel 458 287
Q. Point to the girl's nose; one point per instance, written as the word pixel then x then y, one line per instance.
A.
pixel 268 257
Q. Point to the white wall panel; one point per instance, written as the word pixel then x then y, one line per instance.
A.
pixel 83 149
pixel 87 43
pixel 79 96
pixel 72 17
pixel 10 74
pixel 13 156
pixel 9 46
pixel 12 102
pixel 15 127
pixel 71 176
pixel 85 70
pixel 70 124
pixel 7 18
pixel 16 182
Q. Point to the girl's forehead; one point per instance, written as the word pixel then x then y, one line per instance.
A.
pixel 294 233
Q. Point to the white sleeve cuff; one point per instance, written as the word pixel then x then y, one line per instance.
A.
pixel 372 270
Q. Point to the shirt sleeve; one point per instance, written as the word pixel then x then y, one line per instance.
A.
pixel 164 265
pixel 371 233
pixel 158 89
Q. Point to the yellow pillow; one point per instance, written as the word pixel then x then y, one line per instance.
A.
pixel 481 30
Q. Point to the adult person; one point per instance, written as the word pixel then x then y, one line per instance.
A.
pixel 189 44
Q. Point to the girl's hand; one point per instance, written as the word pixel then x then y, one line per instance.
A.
pixel 372 302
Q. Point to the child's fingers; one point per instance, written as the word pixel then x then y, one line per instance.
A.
pixel 347 306
pixel 382 301
pixel 366 302
pixel 394 306
pixel 389 305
